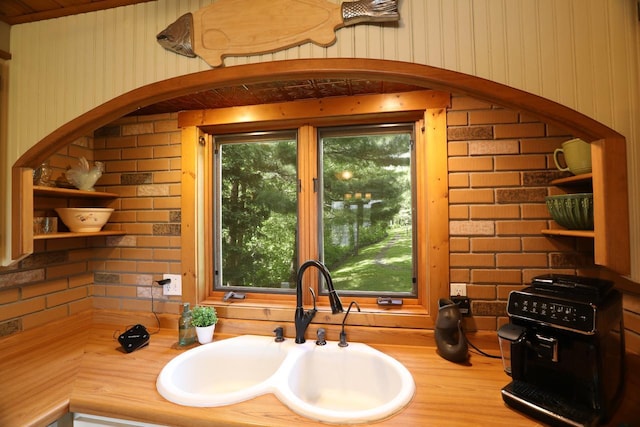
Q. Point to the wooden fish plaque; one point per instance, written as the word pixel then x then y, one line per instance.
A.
pixel 248 27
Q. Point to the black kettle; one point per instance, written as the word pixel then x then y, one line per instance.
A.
pixel 450 340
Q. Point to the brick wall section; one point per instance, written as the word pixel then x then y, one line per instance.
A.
pixel 500 165
pixel 142 165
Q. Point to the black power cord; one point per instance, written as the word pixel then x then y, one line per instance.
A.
pixel 493 356
pixel 161 283
pixel 483 353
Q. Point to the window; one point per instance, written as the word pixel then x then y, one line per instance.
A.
pixel 255 194
pixel 367 201
pixel 365 229
pixel 337 218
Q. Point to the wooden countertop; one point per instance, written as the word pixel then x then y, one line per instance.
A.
pixel 77 365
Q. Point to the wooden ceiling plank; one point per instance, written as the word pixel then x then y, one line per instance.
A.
pixel 14 8
pixel 34 6
pixel 22 11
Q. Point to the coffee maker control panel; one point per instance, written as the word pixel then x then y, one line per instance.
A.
pixel 564 314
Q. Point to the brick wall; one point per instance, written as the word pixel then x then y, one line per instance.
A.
pixel 142 165
pixel 500 166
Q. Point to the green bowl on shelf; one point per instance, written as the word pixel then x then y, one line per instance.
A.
pixel 572 211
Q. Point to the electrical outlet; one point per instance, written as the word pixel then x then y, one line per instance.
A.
pixel 458 290
pixel 174 287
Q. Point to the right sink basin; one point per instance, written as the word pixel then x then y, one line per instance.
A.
pixel 355 384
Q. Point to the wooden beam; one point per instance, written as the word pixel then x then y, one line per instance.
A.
pixel 314 110
pixel 437 192
pixel 189 229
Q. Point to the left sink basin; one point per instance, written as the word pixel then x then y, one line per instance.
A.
pixel 223 372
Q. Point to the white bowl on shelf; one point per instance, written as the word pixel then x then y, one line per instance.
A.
pixel 84 220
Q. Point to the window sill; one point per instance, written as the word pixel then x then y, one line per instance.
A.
pixel 412 316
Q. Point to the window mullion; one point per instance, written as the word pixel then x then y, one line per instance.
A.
pixel 308 204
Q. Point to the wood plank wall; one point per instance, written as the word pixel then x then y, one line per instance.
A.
pixel 581 53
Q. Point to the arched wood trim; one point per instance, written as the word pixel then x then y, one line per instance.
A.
pixel 608 146
pixel 403 72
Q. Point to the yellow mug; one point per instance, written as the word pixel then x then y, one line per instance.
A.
pixel 577 156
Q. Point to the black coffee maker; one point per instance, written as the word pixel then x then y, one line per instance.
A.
pixel 564 349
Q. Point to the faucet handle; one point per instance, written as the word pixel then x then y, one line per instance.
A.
pixel 279 331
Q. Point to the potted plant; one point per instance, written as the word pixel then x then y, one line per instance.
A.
pixel 204 318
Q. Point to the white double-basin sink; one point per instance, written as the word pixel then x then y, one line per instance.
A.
pixel 328 383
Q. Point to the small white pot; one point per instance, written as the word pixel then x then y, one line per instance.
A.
pixel 205 333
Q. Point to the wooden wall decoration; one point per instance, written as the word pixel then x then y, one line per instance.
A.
pixel 248 27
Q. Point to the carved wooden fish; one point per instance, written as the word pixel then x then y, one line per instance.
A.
pixel 246 27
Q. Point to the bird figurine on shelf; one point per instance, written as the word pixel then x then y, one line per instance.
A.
pixel 84 177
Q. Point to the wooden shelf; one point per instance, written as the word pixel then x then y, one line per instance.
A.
pixel 72 193
pixel 69 235
pixel 28 198
pixel 570 233
pixel 608 183
pixel 573 180
pixel 42 191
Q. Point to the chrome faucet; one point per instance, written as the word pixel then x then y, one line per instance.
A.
pixel 303 318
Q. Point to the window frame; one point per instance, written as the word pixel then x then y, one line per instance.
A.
pixel 427 109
